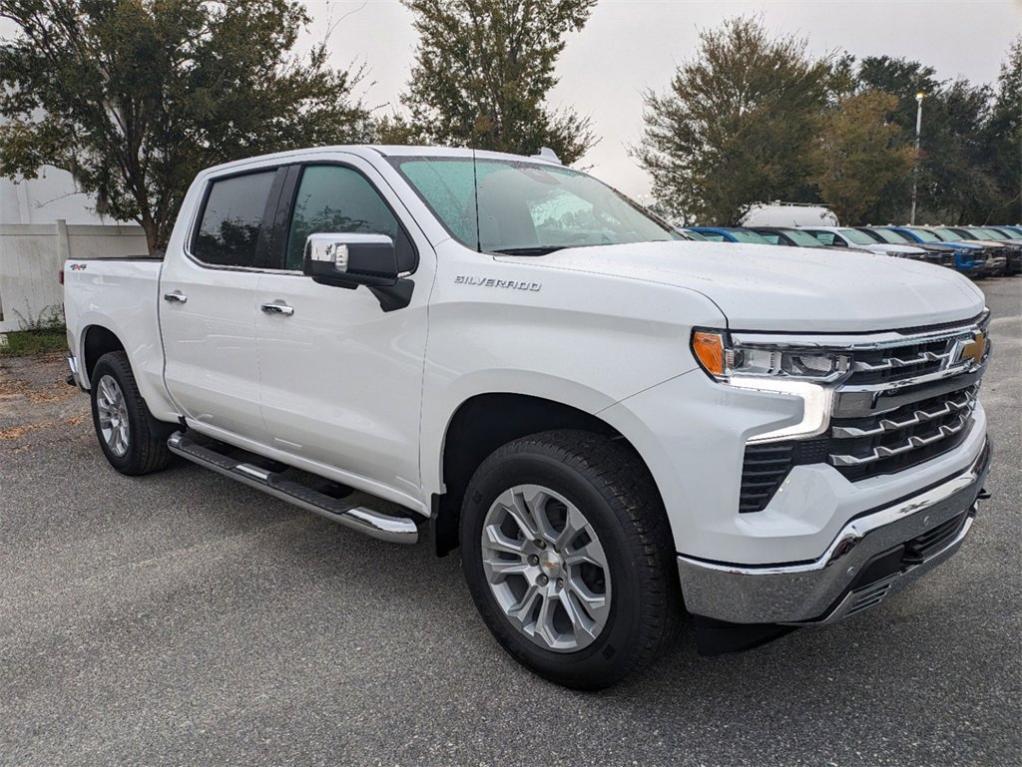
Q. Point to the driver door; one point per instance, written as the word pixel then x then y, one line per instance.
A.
pixel 341 378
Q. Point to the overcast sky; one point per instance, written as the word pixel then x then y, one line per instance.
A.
pixel 631 45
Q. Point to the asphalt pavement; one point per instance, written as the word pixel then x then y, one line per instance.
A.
pixel 183 619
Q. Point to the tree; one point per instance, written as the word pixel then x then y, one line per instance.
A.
pixel 134 97
pixel 736 126
pixel 861 156
pixel 955 183
pixel 1003 139
pixel 483 71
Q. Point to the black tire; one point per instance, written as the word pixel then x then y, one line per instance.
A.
pixel 612 488
pixel 147 443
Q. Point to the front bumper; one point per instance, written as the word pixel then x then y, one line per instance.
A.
pixel 995 265
pixel 874 555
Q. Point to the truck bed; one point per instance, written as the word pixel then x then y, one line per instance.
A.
pixel 121 295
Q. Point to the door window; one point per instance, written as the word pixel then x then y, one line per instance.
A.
pixel 231 220
pixel 828 238
pixel 338 199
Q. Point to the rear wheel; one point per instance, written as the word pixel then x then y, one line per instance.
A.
pixel 567 552
pixel 132 440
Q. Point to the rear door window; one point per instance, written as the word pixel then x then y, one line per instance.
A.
pixel 232 219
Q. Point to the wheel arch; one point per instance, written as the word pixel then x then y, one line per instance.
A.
pixel 97 340
pixel 480 425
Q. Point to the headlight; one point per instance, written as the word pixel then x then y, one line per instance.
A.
pixel 802 373
pixel 725 361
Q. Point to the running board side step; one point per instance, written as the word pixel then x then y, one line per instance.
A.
pixel 384 527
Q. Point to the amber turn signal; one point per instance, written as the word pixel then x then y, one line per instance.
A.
pixel 708 347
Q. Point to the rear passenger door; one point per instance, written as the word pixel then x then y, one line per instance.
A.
pixel 209 306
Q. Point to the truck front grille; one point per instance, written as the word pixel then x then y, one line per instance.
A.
pixel 885 365
pixel 911 434
pixel 900 405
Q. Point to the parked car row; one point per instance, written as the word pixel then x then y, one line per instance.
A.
pixel 977 251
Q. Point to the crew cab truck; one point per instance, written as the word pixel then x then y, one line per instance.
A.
pixel 613 424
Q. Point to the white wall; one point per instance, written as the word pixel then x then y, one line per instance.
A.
pixel 47 199
pixel 32 257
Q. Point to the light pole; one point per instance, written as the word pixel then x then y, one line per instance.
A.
pixel 915 168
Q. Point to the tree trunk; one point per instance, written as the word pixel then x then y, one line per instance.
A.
pixel 152 235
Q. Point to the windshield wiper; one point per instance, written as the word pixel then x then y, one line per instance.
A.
pixel 536 250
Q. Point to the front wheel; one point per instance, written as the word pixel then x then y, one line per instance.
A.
pixel 132 440
pixel 568 555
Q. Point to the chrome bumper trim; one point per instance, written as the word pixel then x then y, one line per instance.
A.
pixel 817 591
pixel 72 364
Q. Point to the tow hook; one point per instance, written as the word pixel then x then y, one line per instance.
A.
pixel 984 494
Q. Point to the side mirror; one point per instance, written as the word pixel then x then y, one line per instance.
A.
pixel 349 260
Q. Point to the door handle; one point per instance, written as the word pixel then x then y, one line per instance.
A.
pixel 176 297
pixel 284 309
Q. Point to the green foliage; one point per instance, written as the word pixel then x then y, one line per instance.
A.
pixel 134 97
pixel 736 126
pixel 955 179
pixel 40 333
pixel 49 320
pixel 753 119
pixel 862 158
pixel 482 74
pixel 1003 139
pixel 24 344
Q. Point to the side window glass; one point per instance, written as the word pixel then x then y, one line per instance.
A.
pixel 827 238
pixel 332 198
pixel 231 220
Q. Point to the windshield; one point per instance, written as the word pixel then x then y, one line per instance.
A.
pixel 804 239
pixel 856 237
pixel 924 235
pixel 887 235
pixel 744 235
pixel 989 234
pixel 526 208
pixel 947 235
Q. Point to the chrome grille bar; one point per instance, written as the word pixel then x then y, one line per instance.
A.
pixel 966 402
pixel 914 442
pixel 890 363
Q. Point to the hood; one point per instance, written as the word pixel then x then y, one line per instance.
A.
pixel 774 287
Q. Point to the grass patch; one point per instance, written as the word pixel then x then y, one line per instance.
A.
pixel 41 333
pixel 27 343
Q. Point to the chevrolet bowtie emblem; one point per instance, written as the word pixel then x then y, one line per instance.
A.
pixel 974 349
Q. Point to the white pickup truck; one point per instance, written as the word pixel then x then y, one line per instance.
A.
pixel 613 424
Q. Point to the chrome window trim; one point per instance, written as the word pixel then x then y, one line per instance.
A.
pixel 200 209
pixel 274 165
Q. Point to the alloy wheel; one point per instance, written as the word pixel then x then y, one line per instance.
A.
pixel 546 568
pixel 113 415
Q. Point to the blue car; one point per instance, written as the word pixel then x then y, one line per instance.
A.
pixel 1011 231
pixel 969 259
pixel 730 234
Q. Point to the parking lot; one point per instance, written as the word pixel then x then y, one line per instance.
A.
pixel 185 619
